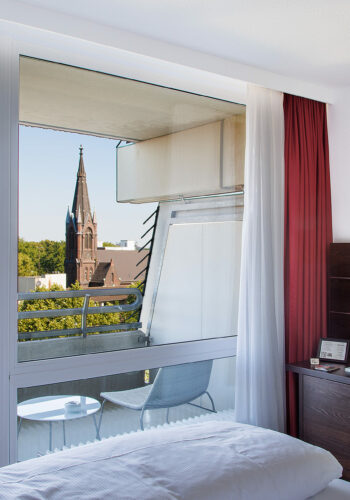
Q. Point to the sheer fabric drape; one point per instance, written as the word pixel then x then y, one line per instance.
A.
pixel 260 353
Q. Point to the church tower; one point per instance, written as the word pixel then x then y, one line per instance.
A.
pixel 81 234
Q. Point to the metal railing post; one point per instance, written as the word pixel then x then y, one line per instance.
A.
pixel 84 313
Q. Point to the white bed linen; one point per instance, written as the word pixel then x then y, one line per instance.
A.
pixel 212 460
pixel 336 490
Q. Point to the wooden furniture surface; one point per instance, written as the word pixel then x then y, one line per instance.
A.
pixel 324 410
pixel 339 291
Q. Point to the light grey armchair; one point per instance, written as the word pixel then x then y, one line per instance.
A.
pixel 173 386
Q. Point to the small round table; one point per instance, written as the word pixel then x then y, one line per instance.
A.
pixel 52 409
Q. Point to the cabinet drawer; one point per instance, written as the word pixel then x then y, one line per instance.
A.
pixel 325 417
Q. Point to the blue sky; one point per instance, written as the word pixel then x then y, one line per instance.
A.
pixel 48 163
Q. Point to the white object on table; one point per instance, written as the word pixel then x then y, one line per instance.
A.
pixel 54 408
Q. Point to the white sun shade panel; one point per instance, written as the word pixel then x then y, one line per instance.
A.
pixel 198 290
pixel 203 160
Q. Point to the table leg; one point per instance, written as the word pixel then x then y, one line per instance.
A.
pixel 50 437
pixel 64 432
pixel 97 428
pixel 100 419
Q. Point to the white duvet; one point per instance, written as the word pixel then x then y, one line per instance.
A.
pixel 211 460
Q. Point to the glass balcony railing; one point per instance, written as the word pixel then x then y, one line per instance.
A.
pixel 74 322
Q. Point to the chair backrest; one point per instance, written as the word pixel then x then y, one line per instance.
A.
pixel 180 384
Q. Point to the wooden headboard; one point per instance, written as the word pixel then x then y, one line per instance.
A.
pixel 339 291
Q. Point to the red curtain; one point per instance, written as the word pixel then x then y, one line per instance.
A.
pixel 308 232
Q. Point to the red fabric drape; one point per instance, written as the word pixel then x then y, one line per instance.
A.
pixel 308 232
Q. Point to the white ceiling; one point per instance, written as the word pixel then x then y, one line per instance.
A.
pixel 68 98
pixel 306 39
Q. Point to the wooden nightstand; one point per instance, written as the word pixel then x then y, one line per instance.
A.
pixel 324 410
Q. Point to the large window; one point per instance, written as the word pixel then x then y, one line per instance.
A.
pixel 189 251
pixel 172 147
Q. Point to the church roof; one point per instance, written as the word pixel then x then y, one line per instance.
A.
pixel 81 204
pixel 100 274
pixel 124 263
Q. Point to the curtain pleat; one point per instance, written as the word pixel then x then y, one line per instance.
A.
pixel 308 233
pixel 260 352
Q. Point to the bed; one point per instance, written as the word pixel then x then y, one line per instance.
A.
pixel 210 460
pixel 336 490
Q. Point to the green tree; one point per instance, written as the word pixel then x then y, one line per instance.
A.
pixel 46 256
pixel 52 256
pixel 109 244
pixel 25 265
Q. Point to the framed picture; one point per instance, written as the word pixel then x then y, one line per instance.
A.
pixel 335 350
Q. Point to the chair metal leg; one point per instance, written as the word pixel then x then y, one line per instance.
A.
pixel 212 402
pixel 141 419
pixel 167 415
pixel 213 410
pixel 97 428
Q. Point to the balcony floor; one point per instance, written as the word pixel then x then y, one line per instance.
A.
pixel 33 439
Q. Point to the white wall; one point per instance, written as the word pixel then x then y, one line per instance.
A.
pixel 29 283
pixel 339 150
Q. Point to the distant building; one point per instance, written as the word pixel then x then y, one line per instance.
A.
pixel 127 245
pixel 85 262
pixel 123 262
pixel 122 245
pixel 30 283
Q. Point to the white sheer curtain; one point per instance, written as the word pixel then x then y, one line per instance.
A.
pixel 260 352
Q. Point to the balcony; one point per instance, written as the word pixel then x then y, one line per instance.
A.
pixel 84 337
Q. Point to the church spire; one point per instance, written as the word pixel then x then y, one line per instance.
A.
pixel 68 216
pixel 81 169
pixel 81 201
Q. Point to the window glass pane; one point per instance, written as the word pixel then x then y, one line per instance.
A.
pixel 107 147
pixel 63 258
pixel 68 414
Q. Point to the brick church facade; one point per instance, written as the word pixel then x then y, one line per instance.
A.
pixel 85 262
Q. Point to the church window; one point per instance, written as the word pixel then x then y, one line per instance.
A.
pixel 90 274
pixel 85 274
pixel 88 239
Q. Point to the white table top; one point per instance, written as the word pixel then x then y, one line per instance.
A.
pixel 51 408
